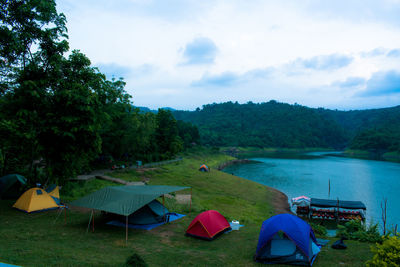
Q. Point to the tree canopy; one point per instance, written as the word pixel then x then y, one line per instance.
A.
pixel 274 124
pixel 59 113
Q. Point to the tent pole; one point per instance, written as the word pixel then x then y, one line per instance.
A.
pixel 190 205
pixel 92 221
pixel 126 229
pixel 163 203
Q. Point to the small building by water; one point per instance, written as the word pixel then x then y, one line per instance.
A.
pixel 327 209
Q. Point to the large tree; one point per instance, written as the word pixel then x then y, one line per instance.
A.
pixel 52 107
pixel 168 140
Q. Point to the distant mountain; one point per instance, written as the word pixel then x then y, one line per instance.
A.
pixel 275 124
pixel 145 109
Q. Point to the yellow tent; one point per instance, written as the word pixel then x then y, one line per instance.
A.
pixel 35 199
pixel 54 192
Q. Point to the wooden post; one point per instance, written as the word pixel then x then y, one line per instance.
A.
pixel 190 204
pixel 329 190
pixel 92 221
pixel 337 211
pixel 383 207
pixel 126 230
pixel 163 203
pixel 65 215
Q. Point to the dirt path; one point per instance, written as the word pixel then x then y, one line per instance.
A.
pixel 279 201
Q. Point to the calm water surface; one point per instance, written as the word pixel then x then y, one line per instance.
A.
pixel 351 179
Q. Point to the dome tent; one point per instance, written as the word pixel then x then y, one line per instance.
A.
pixel 286 239
pixel 34 200
pixel 208 225
pixel 204 168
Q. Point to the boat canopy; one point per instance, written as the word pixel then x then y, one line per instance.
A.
pixel 329 203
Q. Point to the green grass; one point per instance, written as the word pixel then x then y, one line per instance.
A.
pixel 41 240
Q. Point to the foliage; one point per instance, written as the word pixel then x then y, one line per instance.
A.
pixel 378 140
pixel 269 124
pixel 387 253
pixel 280 125
pixel 188 133
pixel 135 261
pixel 58 114
pixel 355 230
pixel 319 229
pixel 166 133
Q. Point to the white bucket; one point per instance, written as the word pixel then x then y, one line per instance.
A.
pixel 235 225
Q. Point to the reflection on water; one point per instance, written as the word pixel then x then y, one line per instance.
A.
pixel 350 179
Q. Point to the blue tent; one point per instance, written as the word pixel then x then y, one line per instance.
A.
pixel 286 239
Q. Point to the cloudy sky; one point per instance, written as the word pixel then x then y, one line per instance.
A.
pixel 341 54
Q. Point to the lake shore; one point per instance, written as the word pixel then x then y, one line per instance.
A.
pixel 363 154
pixel 280 203
pixel 249 152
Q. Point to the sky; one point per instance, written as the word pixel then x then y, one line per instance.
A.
pixel 342 54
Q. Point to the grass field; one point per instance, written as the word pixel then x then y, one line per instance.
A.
pixel 41 240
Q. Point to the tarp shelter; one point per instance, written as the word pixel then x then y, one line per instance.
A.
pixel 54 192
pixel 34 200
pixel 286 239
pixel 11 185
pixel 204 168
pixel 124 200
pixel 328 203
pixel 150 213
pixel 207 225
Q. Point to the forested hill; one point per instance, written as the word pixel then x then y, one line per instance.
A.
pixel 375 130
pixel 269 124
pixel 274 124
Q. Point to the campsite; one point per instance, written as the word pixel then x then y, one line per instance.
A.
pixel 160 133
pixel 45 238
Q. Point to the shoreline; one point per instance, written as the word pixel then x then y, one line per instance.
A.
pixel 280 202
pixel 234 162
pixel 348 153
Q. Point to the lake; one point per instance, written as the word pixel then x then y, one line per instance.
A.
pixel 350 179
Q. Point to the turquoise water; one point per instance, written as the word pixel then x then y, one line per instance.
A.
pixel 350 179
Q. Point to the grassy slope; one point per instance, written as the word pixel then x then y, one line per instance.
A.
pixel 39 240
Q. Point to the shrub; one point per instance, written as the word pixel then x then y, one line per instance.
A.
pixel 387 253
pixel 355 230
pixel 319 229
pixel 135 261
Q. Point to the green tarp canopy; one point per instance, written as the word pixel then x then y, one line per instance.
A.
pixel 10 185
pixel 124 200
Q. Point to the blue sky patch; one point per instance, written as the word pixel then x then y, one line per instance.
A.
pixel 200 51
pixel 350 82
pixel 326 62
pixel 394 53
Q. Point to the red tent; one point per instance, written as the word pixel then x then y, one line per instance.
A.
pixel 207 225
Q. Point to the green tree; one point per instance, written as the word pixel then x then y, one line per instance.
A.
pixel 52 107
pixel 32 37
pixel 166 134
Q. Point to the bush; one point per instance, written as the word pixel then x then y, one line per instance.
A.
pixel 319 229
pixel 135 261
pixel 387 253
pixel 355 230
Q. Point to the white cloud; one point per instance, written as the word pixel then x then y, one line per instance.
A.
pixel 329 42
